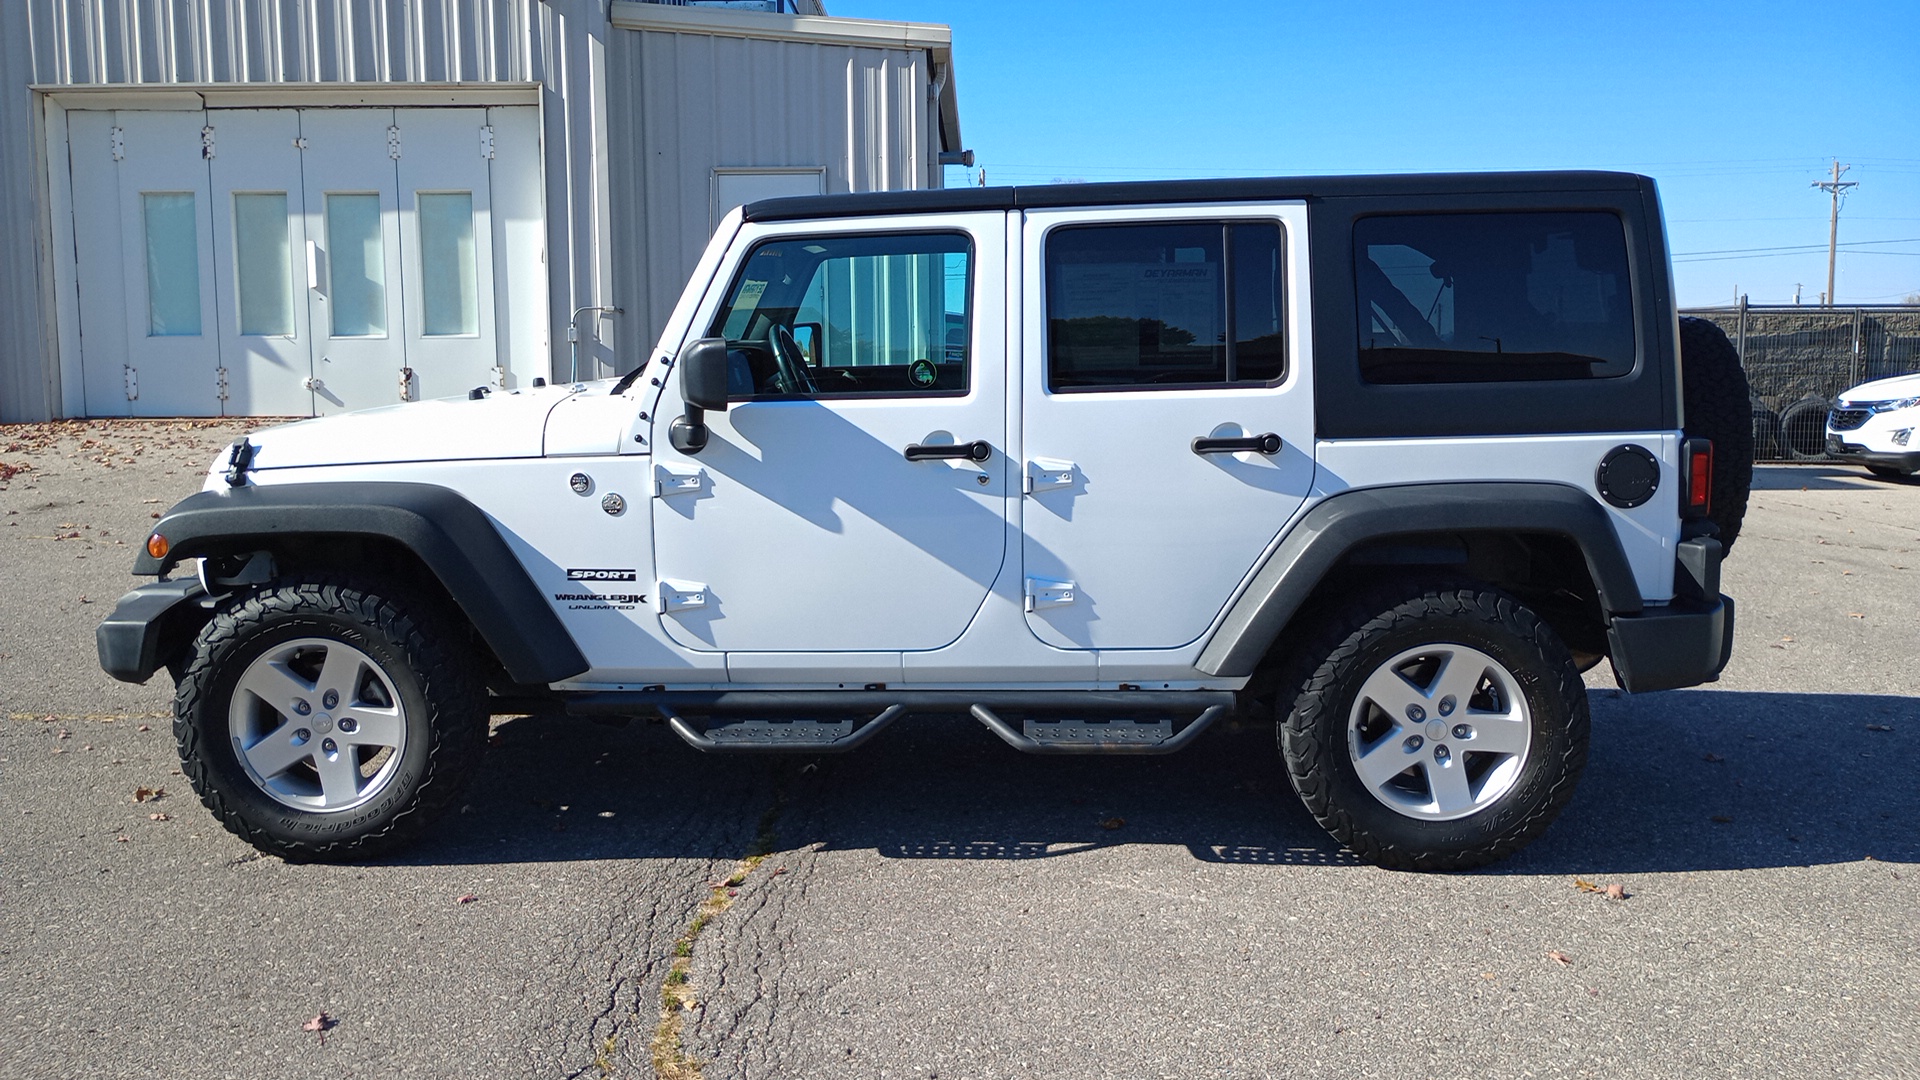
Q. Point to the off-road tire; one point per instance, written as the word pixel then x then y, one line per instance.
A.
pixel 1718 405
pixel 443 704
pixel 1350 641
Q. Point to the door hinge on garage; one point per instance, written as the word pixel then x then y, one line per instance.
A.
pixel 393 142
pixel 498 378
pixel 133 381
pixel 206 142
pixel 220 383
pixel 117 142
pixel 486 143
pixel 406 384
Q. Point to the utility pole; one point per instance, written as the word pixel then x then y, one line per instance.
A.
pixel 1836 188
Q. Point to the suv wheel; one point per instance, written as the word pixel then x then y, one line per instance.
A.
pixel 1436 728
pixel 321 720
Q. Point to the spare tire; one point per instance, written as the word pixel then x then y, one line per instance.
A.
pixel 1716 400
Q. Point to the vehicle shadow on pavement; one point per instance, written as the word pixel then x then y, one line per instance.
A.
pixel 1685 780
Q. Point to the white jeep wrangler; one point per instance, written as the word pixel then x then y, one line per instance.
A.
pixel 1388 459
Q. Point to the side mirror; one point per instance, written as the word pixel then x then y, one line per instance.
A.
pixel 703 373
pixel 702 364
pixel 807 336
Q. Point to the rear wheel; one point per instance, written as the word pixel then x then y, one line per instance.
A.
pixel 324 720
pixel 1718 404
pixel 1435 728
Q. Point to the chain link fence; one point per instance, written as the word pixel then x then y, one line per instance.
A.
pixel 1798 359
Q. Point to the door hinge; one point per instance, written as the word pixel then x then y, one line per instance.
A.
pixel 498 377
pixel 486 143
pixel 299 142
pixel 133 381
pixel 393 142
pixel 669 480
pixel 406 384
pixel 206 142
pixel 117 142
pixel 679 596
pixel 220 383
pixel 1042 593
pixel 1046 474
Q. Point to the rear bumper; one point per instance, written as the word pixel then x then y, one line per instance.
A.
pixel 148 625
pixel 1685 643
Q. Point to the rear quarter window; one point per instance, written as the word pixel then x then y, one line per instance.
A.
pixel 1493 297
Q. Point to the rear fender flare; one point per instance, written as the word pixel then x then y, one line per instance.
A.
pixel 1340 523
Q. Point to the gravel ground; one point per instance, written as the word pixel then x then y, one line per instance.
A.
pixel 938 906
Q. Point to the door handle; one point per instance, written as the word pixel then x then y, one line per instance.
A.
pixel 977 450
pixel 1268 444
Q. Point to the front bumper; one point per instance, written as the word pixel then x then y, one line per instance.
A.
pixel 1685 643
pixel 1904 460
pixel 149 625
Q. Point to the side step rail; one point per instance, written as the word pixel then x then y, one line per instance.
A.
pixel 1116 736
pixel 780 736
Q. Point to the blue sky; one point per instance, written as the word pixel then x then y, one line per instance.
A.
pixel 1736 109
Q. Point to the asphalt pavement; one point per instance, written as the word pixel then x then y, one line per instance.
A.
pixel 937 905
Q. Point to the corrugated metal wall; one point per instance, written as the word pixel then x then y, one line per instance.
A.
pixel 28 388
pixel 682 104
pixel 634 123
pixel 278 41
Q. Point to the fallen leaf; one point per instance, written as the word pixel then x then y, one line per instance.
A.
pixel 144 727
pixel 1855 615
pixel 147 794
pixel 121 839
pixel 320 1025
pixel 157 816
pixel 1616 891
pixel 1559 957
pixel 466 898
pixel 1584 885
pixel 1722 819
pixel 1879 727
pixel 778 870
pixel 1113 823
pixel 1488 975
pixel 1710 756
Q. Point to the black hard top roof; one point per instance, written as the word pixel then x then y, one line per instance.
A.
pixel 1251 189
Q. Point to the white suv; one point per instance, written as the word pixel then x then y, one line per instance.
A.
pixel 1389 460
pixel 1873 424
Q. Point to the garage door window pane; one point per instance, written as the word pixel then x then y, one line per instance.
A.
pixel 263 262
pixel 448 274
pixel 357 266
pixel 173 264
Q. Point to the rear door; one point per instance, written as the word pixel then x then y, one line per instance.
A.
pixel 1167 415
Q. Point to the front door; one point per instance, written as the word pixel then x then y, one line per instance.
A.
pixel 841 504
pixel 1168 345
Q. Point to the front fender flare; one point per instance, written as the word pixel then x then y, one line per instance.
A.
pixel 1338 524
pixel 455 539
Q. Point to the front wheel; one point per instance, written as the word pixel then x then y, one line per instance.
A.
pixel 324 720
pixel 1435 728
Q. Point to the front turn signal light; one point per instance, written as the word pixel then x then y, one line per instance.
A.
pixel 157 546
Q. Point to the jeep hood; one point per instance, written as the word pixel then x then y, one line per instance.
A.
pixel 1900 386
pixel 504 424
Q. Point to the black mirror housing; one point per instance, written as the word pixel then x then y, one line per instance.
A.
pixel 703 373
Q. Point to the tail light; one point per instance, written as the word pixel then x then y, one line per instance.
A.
pixel 1697 495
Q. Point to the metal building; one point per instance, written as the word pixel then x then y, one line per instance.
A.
pixel 289 207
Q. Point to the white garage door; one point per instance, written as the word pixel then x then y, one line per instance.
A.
pixel 300 261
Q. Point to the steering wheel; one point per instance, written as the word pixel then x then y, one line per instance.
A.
pixel 789 366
